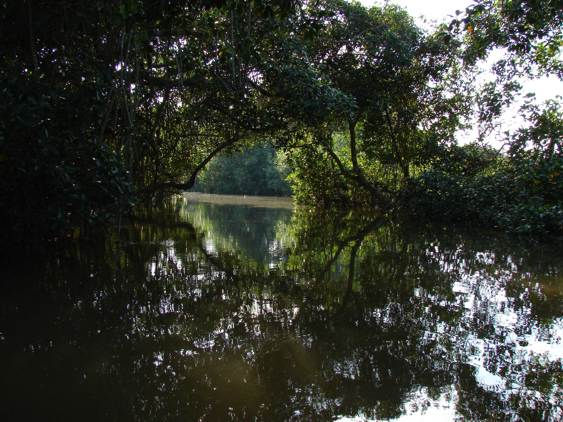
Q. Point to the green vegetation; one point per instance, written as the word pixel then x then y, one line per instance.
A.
pixel 475 183
pixel 404 87
pixel 254 171
pixel 113 103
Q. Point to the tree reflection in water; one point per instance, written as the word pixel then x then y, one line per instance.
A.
pixel 218 312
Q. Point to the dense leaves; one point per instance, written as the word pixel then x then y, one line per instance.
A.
pixel 479 184
pixel 405 86
pixel 116 98
pixel 255 171
pixel 112 102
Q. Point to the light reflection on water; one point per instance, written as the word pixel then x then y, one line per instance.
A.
pixel 215 311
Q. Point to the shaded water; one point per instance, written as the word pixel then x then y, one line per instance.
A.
pixel 213 311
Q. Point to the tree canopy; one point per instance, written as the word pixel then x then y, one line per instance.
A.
pixel 106 103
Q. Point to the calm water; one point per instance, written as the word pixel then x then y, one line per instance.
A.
pixel 216 311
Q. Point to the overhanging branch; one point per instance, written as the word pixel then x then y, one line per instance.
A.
pixel 168 186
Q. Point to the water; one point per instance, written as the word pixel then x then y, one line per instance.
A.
pixel 218 309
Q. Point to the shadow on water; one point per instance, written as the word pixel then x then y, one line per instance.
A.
pixel 226 312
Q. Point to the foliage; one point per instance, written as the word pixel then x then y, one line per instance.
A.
pixel 475 183
pixel 121 98
pixel 406 89
pixel 118 101
pixel 529 30
pixel 519 191
pixel 56 177
pixel 315 179
pixel 254 171
pixel 526 38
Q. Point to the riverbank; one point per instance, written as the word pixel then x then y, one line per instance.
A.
pixel 250 201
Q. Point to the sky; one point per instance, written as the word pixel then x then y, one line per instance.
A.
pixel 428 11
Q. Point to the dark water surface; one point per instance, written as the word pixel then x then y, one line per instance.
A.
pixel 212 311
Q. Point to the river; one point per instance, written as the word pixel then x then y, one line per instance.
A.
pixel 228 308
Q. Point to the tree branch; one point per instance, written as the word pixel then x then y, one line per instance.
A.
pixel 191 180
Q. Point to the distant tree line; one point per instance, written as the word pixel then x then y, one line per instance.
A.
pixel 254 171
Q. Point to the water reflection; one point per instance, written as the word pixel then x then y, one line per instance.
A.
pixel 248 231
pixel 218 312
